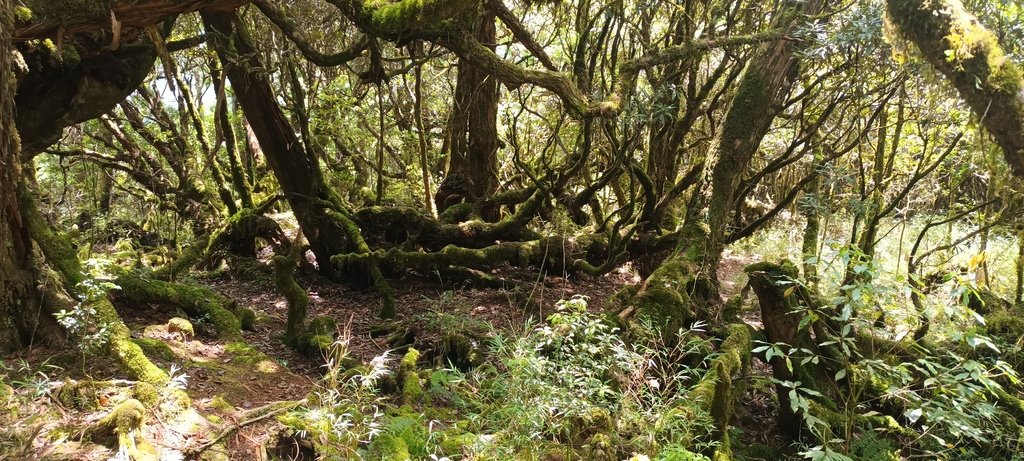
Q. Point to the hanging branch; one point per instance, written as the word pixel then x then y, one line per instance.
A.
pixel 291 31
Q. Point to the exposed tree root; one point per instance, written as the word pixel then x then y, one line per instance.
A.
pixel 252 416
pixel 239 235
pixel 122 428
pixel 717 391
pixel 227 317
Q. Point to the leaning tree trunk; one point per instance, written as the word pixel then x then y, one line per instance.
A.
pixel 297 172
pixel 335 239
pixel 473 133
pixel 685 287
pixel 957 44
pixel 18 297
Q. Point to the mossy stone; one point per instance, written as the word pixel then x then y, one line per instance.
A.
pixel 181 327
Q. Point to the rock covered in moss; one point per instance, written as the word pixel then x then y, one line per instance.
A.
pixel 181 328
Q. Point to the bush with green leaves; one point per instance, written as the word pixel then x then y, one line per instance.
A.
pixel 575 381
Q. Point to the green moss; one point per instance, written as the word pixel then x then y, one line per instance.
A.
pixel 396 17
pixel 22 14
pixel 174 401
pixel 242 352
pixel 197 301
pixel 388 447
pixel 247 317
pixel 409 360
pixel 295 295
pixel 219 403
pixel 315 344
pixel 318 337
pixel 181 327
pixel 663 298
pixel 323 325
pixel 715 393
pixel 1006 324
pixel 124 424
pixel 80 394
pixel 411 430
pixel 145 393
pixel 412 389
pixel 455 442
pixel 134 362
pixel 155 348
pixel 676 453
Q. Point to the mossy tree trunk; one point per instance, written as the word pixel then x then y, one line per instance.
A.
pixel 782 297
pixel 473 133
pixel 959 46
pixel 297 172
pixel 19 299
pixel 1019 297
pixel 686 285
pixel 810 208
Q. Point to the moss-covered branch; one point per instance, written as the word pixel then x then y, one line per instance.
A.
pixel 957 44
pixel 61 255
pixel 197 301
pixel 291 30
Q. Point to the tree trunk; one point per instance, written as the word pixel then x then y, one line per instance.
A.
pixel 473 131
pixel 17 278
pixel 1020 268
pixel 685 287
pixel 297 172
pixel 957 44
pixel 811 210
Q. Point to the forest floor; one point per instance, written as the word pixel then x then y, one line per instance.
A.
pixel 228 378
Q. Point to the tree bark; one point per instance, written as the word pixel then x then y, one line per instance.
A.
pixel 297 172
pixel 685 287
pixel 956 44
pixel 473 130
pixel 18 294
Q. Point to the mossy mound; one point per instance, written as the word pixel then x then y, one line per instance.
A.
pixel 318 336
pixel 388 447
pixel 181 327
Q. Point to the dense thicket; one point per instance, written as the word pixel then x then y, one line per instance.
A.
pixel 376 141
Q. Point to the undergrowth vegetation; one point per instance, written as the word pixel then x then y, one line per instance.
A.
pixel 567 388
